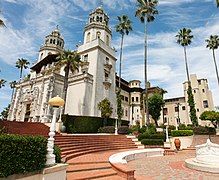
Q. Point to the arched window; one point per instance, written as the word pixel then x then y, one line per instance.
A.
pixel 107 40
pixel 88 37
pixel 50 41
pixel 98 34
pixel 41 56
pixel 58 42
pixel 98 18
pixel 91 20
pixel 54 41
pixel 101 19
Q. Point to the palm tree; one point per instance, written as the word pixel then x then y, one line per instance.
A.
pixel 22 64
pixel 2 83
pixel 71 61
pixel 123 27
pixel 213 43
pixel 12 86
pixel 217 1
pixel 146 9
pixel 184 38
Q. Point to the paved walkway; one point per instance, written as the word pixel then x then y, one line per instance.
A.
pixel 168 167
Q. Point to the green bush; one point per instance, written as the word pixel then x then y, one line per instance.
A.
pixel 201 130
pixel 57 152
pixel 184 127
pixel 87 124
pixel 152 141
pixel 107 129
pixel 123 130
pixel 134 128
pixel 176 133
pixel 151 136
pixel 143 129
pixel 21 154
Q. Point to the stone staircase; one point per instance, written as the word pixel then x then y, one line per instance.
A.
pixel 77 145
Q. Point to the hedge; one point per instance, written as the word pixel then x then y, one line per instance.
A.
pixel 21 154
pixel 151 136
pixel 57 152
pixel 107 129
pixel 176 133
pixel 87 124
pixel 201 130
pixel 152 141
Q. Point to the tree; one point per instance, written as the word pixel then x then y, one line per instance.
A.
pixel 146 9
pixel 4 113
pixel 22 64
pixel 155 105
pixel 2 24
pixel 105 107
pixel 71 61
pixel 217 1
pixel 213 43
pixel 184 38
pixel 12 86
pixel 2 83
pixel 123 27
pixel 212 116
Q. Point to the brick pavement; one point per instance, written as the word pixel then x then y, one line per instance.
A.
pixel 168 167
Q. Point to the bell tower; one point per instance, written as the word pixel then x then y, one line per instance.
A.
pixel 98 27
pixel 53 44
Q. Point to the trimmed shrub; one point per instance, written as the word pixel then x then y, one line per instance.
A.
pixel 57 152
pixel 184 127
pixel 152 141
pixel 176 133
pixel 123 130
pixel 151 136
pixel 201 130
pixel 143 129
pixel 107 129
pixel 21 154
pixel 87 124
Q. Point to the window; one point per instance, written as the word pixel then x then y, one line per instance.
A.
pixel 51 41
pixel 197 110
pixel 136 84
pixel 126 99
pixel 136 99
pixel 98 34
pixel 101 19
pixel 98 18
pixel 88 37
pixel 137 116
pixel 57 42
pixel 205 104
pixel 86 57
pixel 203 90
pixel 126 112
pixel 122 97
pixel 41 56
pixel 136 110
pixel 54 41
pixel 107 40
pixel 165 120
pixel 176 109
pixel 183 108
pixel 165 111
pixel 91 20
pixel 194 91
pixel 133 99
pixel 199 82
pixel 107 60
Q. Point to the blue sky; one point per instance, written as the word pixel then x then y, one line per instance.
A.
pixel 29 21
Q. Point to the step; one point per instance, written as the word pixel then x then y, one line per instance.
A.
pixel 91 174
pixel 88 167
pixel 114 177
pixel 71 156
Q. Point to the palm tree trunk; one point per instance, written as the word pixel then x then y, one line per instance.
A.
pixel 145 73
pixel 65 85
pixel 120 62
pixel 215 63
pixel 21 72
pixel 186 62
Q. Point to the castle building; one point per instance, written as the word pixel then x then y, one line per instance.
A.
pixel 176 110
pixel 94 80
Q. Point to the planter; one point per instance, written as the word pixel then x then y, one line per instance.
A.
pixel 177 143
pixel 186 142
